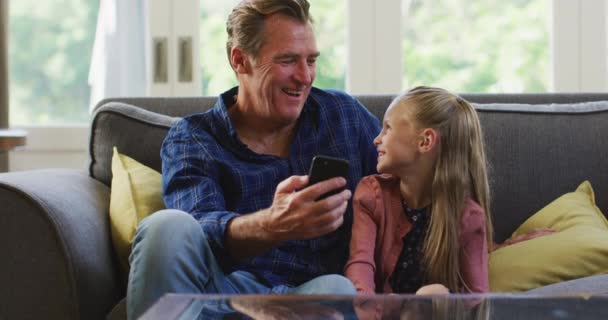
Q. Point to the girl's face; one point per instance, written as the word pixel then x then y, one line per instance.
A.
pixel 398 142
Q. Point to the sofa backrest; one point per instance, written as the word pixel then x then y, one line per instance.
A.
pixel 539 146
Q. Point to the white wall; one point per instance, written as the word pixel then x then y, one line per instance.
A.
pixel 579 46
pixel 52 147
pixel 374 59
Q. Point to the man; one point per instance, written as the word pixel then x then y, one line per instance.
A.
pixel 246 220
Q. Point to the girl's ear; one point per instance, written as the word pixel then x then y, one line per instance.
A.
pixel 239 60
pixel 429 139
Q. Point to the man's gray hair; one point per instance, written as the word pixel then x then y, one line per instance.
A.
pixel 245 23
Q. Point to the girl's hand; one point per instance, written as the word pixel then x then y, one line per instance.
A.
pixel 433 289
pixel 534 233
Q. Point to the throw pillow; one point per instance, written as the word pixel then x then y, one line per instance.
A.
pixel 135 194
pixel 578 249
pixel 572 209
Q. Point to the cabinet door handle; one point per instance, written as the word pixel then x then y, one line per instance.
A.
pixel 159 59
pixel 184 59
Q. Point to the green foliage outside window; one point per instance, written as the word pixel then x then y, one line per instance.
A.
pixel 50 46
pixel 330 30
pixel 216 74
pixel 477 46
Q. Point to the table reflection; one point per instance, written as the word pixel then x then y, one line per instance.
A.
pixel 406 307
pixel 337 308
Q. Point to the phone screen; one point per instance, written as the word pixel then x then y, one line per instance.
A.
pixel 324 167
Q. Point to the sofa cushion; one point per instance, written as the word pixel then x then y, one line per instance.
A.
pixel 538 152
pixel 135 131
pixel 578 249
pixel 535 151
pixel 593 285
pixel 135 194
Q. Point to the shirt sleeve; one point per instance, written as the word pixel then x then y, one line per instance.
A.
pixel 474 252
pixel 361 267
pixel 190 183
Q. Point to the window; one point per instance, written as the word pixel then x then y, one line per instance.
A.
pixel 329 24
pixel 216 74
pixel 477 46
pixel 50 45
pixel 330 30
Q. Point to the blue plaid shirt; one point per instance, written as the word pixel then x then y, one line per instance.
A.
pixel 210 173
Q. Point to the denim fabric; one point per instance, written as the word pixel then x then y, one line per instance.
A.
pixel 171 254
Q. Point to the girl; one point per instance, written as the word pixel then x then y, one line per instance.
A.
pixel 425 218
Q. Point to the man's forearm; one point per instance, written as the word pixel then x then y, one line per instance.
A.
pixel 246 237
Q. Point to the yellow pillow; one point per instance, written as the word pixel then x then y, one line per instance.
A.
pixel 135 194
pixel 570 210
pixel 578 249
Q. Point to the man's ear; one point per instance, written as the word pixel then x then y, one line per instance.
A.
pixel 239 61
pixel 429 139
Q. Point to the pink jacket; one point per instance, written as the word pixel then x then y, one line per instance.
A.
pixel 377 238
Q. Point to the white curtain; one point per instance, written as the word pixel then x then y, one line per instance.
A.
pixel 118 63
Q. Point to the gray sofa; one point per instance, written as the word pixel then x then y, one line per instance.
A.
pixel 57 257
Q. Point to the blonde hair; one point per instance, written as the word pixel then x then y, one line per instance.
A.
pixel 460 172
pixel 245 23
pixel 445 307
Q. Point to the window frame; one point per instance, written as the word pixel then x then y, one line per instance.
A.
pixel 578 62
pixel 578 46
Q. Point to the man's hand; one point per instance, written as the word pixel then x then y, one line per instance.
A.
pixel 294 213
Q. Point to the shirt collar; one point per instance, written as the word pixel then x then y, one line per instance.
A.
pixel 225 126
pixel 223 103
pixel 415 216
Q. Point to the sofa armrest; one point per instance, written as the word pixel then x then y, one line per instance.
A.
pixel 57 257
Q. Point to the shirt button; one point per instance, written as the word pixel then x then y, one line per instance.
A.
pixel 404 265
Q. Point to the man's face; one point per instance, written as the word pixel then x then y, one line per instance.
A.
pixel 281 76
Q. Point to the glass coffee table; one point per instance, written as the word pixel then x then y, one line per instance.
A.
pixel 454 306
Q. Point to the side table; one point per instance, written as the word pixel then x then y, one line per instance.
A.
pixel 10 139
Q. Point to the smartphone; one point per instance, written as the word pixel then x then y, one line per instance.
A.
pixel 323 168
